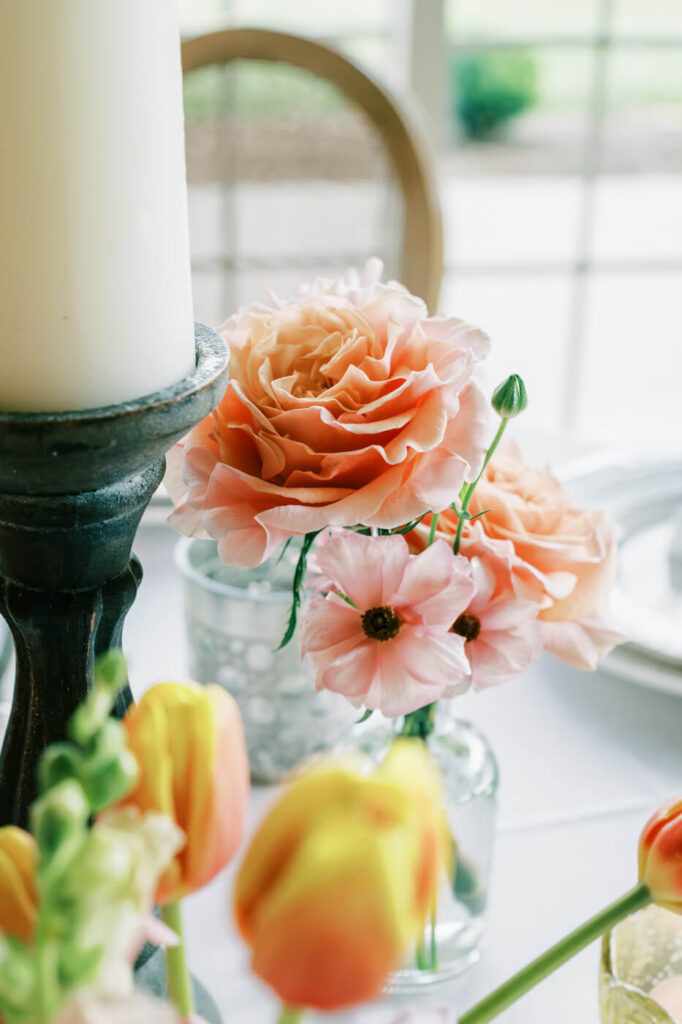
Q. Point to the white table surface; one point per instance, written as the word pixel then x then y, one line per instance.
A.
pixel 584 759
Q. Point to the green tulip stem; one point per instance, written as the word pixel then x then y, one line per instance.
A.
pixel 534 972
pixel 290 1015
pixel 179 982
pixel 469 492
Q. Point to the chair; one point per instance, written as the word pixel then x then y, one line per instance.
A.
pixel 299 164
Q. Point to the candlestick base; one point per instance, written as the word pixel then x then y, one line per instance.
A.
pixel 73 487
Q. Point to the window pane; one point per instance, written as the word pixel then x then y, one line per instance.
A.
pixel 633 366
pixel 526 318
pixel 500 19
pixel 638 217
pixel 310 16
pixel 644 111
pixel 512 220
pixel 653 18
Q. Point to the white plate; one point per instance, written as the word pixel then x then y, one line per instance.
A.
pixel 644 498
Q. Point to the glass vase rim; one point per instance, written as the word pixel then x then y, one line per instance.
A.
pixel 184 563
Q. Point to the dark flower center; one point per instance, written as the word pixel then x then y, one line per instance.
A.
pixel 380 623
pixel 468 626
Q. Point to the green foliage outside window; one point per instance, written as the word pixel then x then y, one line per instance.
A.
pixel 490 87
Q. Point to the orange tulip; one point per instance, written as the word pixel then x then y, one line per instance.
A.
pixel 18 890
pixel 340 876
pixel 189 744
pixel 660 856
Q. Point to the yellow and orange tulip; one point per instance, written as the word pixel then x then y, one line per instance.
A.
pixel 340 876
pixel 18 889
pixel 189 744
pixel 660 856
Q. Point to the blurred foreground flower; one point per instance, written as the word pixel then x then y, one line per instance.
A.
pixel 76 900
pixel 340 877
pixel 382 634
pixel 189 744
pixel 18 889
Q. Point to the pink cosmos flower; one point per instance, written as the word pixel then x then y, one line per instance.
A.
pixel 382 635
pixel 500 628
pixel 348 405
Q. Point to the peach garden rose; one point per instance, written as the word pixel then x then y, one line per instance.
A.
pixel 348 405
pixel 566 555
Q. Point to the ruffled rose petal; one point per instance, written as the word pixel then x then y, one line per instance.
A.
pixel 348 405
pixel 583 643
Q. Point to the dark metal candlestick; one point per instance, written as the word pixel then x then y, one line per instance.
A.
pixel 73 487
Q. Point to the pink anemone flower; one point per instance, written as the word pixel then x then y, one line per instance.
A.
pixel 382 635
pixel 501 630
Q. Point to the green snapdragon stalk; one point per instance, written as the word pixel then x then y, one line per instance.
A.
pixel 94 882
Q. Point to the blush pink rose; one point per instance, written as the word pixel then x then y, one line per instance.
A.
pixel 501 630
pixel 382 635
pixel 349 405
pixel 566 555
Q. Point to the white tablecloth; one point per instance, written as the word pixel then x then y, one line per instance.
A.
pixel 584 759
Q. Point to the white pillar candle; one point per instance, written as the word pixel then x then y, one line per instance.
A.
pixel 95 292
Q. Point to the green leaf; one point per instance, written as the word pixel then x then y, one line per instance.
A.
pixel 299 574
pixel 283 552
pixel 412 525
pixel 368 714
pixel 111 671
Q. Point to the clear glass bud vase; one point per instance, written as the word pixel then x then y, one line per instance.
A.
pixel 470 776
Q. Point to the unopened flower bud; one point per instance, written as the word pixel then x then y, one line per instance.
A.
pixel 660 856
pixel 17 977
pixel 108 777
pixel 59 815
pixel 91 715
pixel 59 762
pixel 510 398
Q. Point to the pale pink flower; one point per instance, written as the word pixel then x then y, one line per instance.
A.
pixel 501 629
pixel 382 636
pixel 348 405
pixel 565 556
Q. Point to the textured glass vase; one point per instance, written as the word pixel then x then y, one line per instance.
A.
pixel 235 621
pixel 640 952
pixel 470 778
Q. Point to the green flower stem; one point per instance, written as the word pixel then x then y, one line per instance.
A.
pixel 432 531
pixel 290 1015
pixel 179 982
pixel 468 494
pixel 419 723
pixel 528 977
